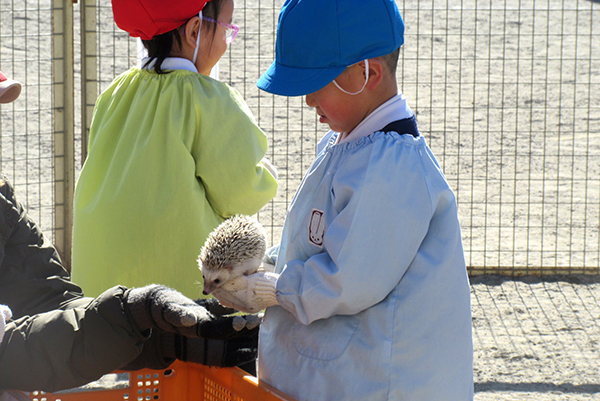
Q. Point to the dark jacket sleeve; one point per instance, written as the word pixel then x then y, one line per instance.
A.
pixel 57 339
pixel 67 348
pixel 32 277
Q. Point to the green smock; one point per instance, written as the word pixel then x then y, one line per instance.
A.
pixel 170 157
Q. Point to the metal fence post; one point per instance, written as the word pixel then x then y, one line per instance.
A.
pixel 89 66
pixel 64 127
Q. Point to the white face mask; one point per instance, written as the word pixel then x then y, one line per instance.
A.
pixel 198 39
pixel 365 84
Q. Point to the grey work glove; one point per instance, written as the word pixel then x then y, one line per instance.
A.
pixel 160 307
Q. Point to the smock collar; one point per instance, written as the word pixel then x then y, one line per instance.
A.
pixel 394 109
pixel 170 63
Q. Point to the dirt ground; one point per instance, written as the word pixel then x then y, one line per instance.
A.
pixel 536 339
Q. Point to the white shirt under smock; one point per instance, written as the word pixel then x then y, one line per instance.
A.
pixel 374 293
pixel 170 63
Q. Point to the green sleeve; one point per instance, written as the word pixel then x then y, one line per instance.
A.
pixel 228 156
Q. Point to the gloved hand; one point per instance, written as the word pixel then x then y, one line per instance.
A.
pixel 5 315
pixel 239 322
pixel 220 353
pixel 157 306
pixel 253 293
pixel 162 348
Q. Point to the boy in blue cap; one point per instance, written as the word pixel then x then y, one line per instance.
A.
pixel 370 298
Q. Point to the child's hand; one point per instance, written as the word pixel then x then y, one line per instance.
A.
pixel 231 299
pixel 237 284
pixel 267 164
pixel 257 292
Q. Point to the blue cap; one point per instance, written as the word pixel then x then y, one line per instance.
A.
pixel 318 39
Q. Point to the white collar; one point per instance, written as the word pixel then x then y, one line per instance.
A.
pixel 170 63
pixel 394 109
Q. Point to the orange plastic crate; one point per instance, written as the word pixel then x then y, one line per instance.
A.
pixel 180 382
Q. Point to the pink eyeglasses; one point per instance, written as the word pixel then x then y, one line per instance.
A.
pixel 231 30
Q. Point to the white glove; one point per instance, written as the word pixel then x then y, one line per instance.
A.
pixel 5 315
pixel 250 294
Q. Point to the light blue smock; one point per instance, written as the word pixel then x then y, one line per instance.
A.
pixel 374 293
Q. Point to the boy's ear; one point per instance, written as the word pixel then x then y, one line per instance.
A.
pixel 376 71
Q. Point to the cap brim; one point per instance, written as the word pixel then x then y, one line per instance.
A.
pixel 9 91
pixel 290 81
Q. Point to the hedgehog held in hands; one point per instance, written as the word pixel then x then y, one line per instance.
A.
pixel 234 249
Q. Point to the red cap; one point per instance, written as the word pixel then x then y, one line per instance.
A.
pixel 9 89
pixel 148 18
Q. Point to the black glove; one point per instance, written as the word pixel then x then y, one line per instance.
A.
pixel 162 348
pixel 220 353
pixel 213 306
pixel 157 306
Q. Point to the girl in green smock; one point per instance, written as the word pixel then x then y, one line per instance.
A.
pixel 172 153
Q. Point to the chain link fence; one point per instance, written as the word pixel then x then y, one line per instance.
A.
pixel 507 94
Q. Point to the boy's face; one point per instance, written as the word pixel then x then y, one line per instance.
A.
pixel 342 112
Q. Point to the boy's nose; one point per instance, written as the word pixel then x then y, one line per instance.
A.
pixel 310 100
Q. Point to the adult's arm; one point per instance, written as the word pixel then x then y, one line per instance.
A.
pixel 67 348
pixel 32 277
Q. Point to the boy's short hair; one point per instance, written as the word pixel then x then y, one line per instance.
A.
pixel 318 39
pixel 391 60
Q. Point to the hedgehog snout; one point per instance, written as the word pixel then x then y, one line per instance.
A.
pixel 211 285
pixel 207 288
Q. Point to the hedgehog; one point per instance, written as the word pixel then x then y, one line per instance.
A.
pixel 235 248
